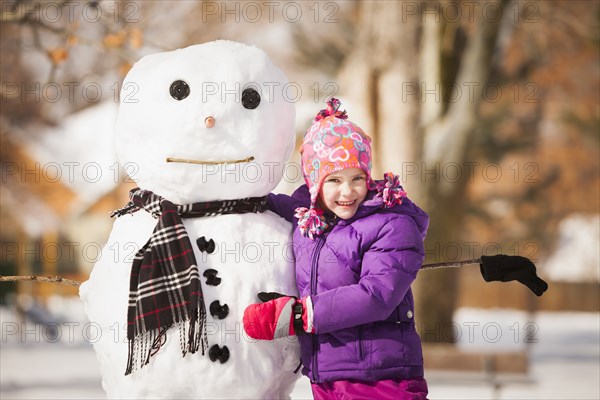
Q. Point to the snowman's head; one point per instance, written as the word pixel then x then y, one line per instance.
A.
pixel 207 122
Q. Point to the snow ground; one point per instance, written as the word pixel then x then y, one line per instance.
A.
pixel 37 363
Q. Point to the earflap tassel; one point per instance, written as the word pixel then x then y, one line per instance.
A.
pixel 390 190
pixel 311 222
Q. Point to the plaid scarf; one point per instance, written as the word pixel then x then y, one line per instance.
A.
pixel 164 287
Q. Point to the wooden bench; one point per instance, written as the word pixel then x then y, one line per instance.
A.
pixel 447 364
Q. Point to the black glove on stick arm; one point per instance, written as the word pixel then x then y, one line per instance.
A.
pixel 505 268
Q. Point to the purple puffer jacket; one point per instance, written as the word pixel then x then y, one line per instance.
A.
pixel 358 275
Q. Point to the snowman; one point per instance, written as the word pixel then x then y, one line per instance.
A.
pixel 205 131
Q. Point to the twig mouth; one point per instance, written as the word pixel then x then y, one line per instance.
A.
pixel 189 161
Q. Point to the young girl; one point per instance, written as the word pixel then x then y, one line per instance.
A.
pixel 358 245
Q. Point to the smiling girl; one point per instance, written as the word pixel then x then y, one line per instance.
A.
pixel 343 192
pixel 358 245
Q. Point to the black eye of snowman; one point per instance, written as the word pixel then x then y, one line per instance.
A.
pixel 250 99
pixel 179 90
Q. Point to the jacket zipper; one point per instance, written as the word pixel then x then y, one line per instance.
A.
pixel 313 291
pixel 361 353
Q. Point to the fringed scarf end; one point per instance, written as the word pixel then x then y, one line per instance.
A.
pixel 142 347
pixel 130 208
pixel 147 344
pixel 197 334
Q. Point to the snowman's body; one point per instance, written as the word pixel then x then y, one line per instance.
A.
pixel 250 256
pixel 251 252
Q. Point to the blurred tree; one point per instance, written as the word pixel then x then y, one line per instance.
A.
pixel 407 71
pixel 61 57
pixel 383 75
pixel 550 144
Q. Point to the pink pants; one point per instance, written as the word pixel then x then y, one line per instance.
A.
pixel 392 389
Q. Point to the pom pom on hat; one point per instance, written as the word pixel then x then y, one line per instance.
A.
pixel 333 105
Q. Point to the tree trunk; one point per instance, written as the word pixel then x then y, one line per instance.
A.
pixel 374 77
pixel 383 83
pixel 446 136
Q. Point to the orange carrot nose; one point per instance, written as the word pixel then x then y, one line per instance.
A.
pixel 209 122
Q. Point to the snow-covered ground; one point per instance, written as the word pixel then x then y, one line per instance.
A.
pixel 57 361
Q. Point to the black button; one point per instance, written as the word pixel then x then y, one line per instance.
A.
pixel 206 245
pixel 211 277
pixel 218 311
pixel 216 353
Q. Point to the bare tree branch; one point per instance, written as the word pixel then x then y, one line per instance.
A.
pixel 70 282
pixel 55 279
pixel 452 264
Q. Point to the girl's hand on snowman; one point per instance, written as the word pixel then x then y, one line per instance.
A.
pixel 278 316
pixel 512 268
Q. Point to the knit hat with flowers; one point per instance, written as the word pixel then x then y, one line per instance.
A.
pixel 331 144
